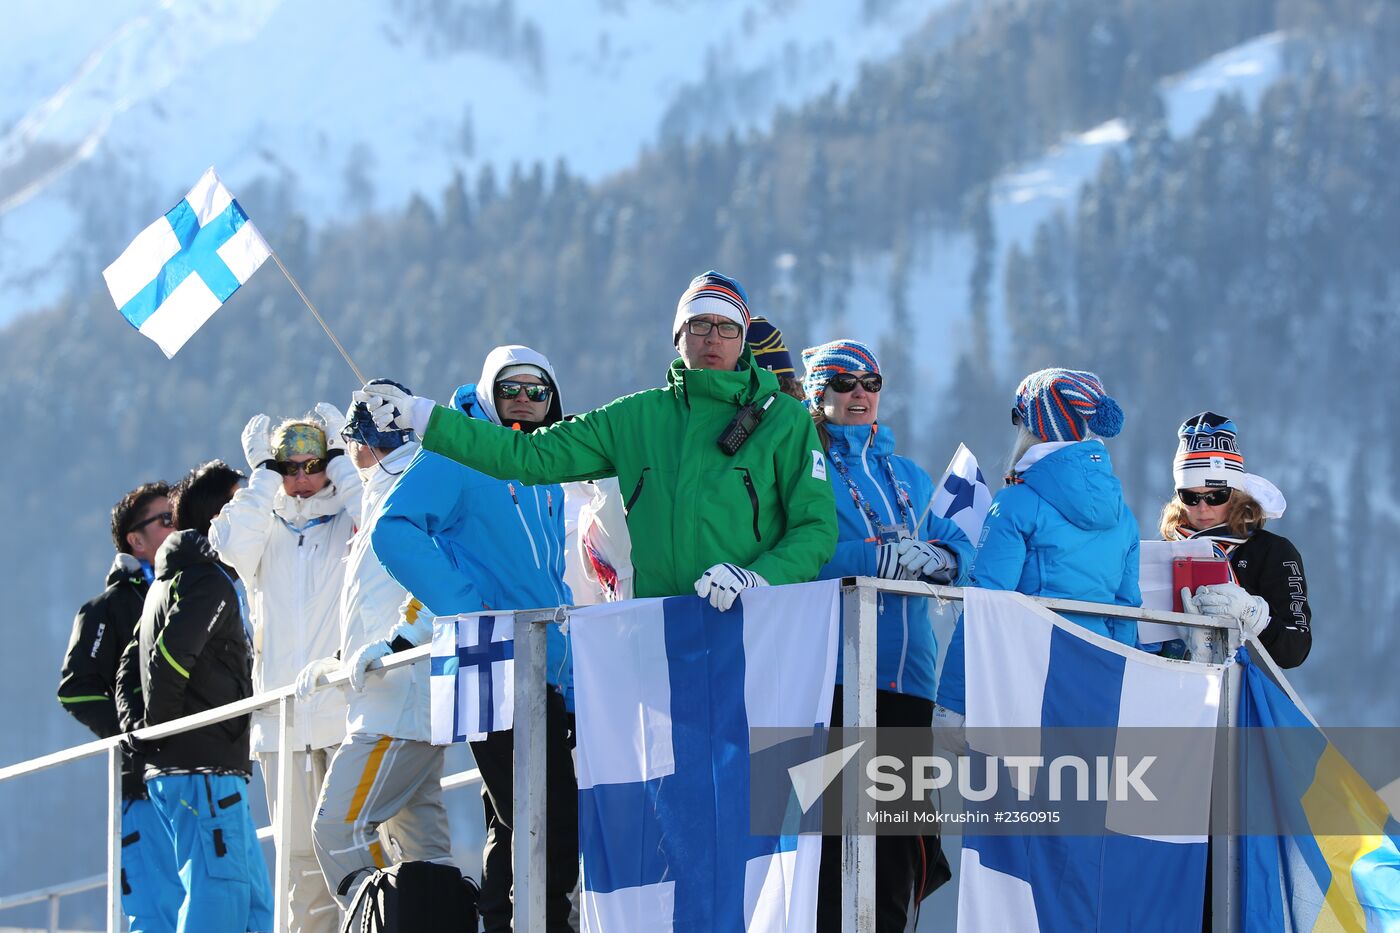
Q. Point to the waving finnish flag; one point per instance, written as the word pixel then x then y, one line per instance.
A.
pixel 666 692
pixel 473 677
pixel 1060 693
pixel 182 268
pixel 962 494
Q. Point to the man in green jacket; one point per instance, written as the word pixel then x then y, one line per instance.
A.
pixel 699 517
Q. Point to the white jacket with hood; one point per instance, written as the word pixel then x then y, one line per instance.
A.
pixel 395 703
pixel 290 554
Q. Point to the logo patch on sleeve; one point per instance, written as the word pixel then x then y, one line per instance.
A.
pixel 818 466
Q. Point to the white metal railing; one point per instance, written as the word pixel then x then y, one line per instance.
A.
pixel 859 595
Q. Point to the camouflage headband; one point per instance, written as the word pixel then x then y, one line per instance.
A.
pixel 298 437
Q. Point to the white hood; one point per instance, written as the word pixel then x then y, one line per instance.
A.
pixel 497 360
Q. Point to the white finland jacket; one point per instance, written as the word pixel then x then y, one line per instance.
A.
pixel 396 703
pixel 290 554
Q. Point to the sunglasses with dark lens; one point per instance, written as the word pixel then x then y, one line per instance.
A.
pixel 535 393
pixel 166 519
pixel 1214 497
pixel 727 329
pixel 845 382
pixel 292 468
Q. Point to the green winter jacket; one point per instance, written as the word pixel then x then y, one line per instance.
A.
pixel 689 506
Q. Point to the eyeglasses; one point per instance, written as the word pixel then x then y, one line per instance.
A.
pixel 166 519
pixel 727 329
pixel 846 382
pixel 536 393
pixel 292 468
pixel 1214 497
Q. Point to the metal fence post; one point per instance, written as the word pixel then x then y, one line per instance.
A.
pixel 282 819
pixel 858 619
pixel 1225 849
pixel 116 919
pixel 53 913
pixel 528 778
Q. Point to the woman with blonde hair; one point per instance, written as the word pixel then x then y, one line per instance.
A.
pixel 1218 501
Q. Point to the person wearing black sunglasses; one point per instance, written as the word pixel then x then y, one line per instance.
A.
pixel 1216 500
pixel 287 534
pixel 88 690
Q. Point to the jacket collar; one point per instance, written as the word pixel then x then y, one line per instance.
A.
pixel 851 439
pixel 298 511
pixel 739 387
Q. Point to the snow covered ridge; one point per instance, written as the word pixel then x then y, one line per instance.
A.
pixel 398 93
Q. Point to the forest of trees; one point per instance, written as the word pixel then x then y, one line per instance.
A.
pixel 1246 267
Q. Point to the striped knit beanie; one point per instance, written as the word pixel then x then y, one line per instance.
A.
pixel 1065 405
pixel 766 342
pixel 1209 453
pixel 825 361
pixel 712 293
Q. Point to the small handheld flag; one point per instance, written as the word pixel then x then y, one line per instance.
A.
pixel 182 268
pixel 962 494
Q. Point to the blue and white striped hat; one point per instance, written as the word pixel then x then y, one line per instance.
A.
pixel 1065 405
pixel 825 361
pixel 712 293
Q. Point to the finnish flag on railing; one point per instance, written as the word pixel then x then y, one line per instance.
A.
pixel 962 494
pixel 666 691
pixel 1034 676
pixel 182 268
pixel 473 677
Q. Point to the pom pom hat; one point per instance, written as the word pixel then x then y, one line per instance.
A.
pixel 829 359
pixel 712 293
pixel 1066 405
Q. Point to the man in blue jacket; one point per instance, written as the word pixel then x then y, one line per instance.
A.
pixel 460 541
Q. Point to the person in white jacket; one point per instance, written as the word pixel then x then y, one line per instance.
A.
pixel 386 773
pixel 287 534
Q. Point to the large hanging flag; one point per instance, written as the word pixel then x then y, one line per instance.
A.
pixel 666 692
pixel 182 268
pixel 962 494
pixel 1321 851
pixel 472 679
pixel 1035 676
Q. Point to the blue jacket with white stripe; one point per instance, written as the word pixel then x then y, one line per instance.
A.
pixel 906 650
pixel 461 541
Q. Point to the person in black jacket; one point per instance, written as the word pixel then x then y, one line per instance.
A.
pixel 194 655
pixel 87 688
pixel 1217 500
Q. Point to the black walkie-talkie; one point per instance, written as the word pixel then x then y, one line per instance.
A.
pixel 742 427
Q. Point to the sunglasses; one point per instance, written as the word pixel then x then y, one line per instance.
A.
pixel 166 519
pixel 292 468
pixel 536 393
pixel 1214 497
pixel 845 382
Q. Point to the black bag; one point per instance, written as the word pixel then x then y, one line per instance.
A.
pixel 414 897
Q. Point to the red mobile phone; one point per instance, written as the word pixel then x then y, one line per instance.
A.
pixel 1192 572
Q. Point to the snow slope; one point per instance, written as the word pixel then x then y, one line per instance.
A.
pixel 330 99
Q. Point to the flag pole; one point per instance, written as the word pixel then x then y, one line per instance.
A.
pixel 319 320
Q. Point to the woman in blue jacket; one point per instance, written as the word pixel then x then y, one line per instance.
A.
pixel 879 499
pixel 1060 528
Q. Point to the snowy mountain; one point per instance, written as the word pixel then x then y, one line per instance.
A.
pixel 339 109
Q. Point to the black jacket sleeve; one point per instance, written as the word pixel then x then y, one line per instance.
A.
pixel 131 708
pixel 1288 636
pixel 86 686
pixel 199 598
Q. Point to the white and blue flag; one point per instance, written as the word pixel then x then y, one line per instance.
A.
pixel 1035 676
pixel 666 693
pixel 962 494
pixel 182 268
pixel 473 676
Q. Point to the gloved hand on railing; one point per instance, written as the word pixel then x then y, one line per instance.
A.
pixel 358 668
pixel 887 562
pixel 723 583
pixel 926 559
pixel 139 748
pixel 306 680
pixel 1230 601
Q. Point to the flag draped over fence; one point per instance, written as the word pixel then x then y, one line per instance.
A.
pixel 182 268
pixel 1027 667
pixel 473 676
pixel 666 691
pixel 1336 863
pixel 962 494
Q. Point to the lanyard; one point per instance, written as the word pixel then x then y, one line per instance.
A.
pixel 303 529
pixel 904 507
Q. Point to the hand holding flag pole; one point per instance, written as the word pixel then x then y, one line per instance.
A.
pixel 182 268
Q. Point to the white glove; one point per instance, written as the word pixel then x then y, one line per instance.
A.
pixel 922 559
pixel 887 562
pixel 362 659
pixel 1229 600
pixel 722 583
pixel 949 731
pixel 415 623
pixel 393 409
pixel 333 420
pixel 306 680
pixel 257 440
